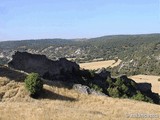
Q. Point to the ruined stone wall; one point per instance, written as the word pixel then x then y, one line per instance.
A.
pixel 45 67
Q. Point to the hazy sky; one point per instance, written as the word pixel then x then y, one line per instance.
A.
pixel 26 19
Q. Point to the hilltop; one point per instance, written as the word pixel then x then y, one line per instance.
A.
pixel 70 73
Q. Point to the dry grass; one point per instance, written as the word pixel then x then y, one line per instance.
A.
pixel 100 64
pixel 87 108
pixel 60 103
pixel 12 91
pixel 149 79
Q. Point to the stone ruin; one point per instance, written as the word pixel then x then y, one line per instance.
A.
pixel 61 69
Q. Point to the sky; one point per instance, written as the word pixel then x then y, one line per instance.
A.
pixel 37 19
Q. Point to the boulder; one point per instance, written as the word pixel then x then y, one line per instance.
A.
pixel 81 88
pixel 86 90
pixel 61 69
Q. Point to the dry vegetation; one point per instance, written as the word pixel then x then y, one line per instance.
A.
pixel 149 79
pixel 61 103
pixel 100 64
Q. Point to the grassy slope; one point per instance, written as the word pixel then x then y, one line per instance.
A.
pixel 61 103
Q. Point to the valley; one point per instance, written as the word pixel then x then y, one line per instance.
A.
pixel 139 54
pixel 116 95
pixel 79 60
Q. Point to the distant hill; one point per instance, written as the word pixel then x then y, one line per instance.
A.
pixel 139 53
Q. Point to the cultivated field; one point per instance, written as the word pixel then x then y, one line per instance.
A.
pixel 100 64
pixel 149 79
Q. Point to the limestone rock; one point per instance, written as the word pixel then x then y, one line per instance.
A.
pixel 61 69
pixel 86 90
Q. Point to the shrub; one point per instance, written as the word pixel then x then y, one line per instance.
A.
pixel 109 81
pixel 96 87
pixel 114 92
pixel 124 88
pixel 119 82
pixel 139 96
pixel 124 96
pixel 92 73
pixel 33 84
pixel 159 79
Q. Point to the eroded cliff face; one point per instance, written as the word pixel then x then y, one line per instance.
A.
pixel 54 70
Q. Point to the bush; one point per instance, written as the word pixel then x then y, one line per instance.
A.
pixel 109 81
pixel 139 96
pixel 92 73
pixel 96 87
pixel 120 88
pixel 124 88
pixel 119 82
pixel 159 79
pixel 33 84
pixel 114 92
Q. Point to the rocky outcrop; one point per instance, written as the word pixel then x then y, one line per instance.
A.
pixel 100 78
pixel 144 87
pixel 103 73
pixel 61 69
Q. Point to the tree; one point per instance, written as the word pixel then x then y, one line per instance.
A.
pixel 33 84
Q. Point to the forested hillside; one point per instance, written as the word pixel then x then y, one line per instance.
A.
pixel 139 53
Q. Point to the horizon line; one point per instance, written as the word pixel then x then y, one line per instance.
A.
pixel 78 37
